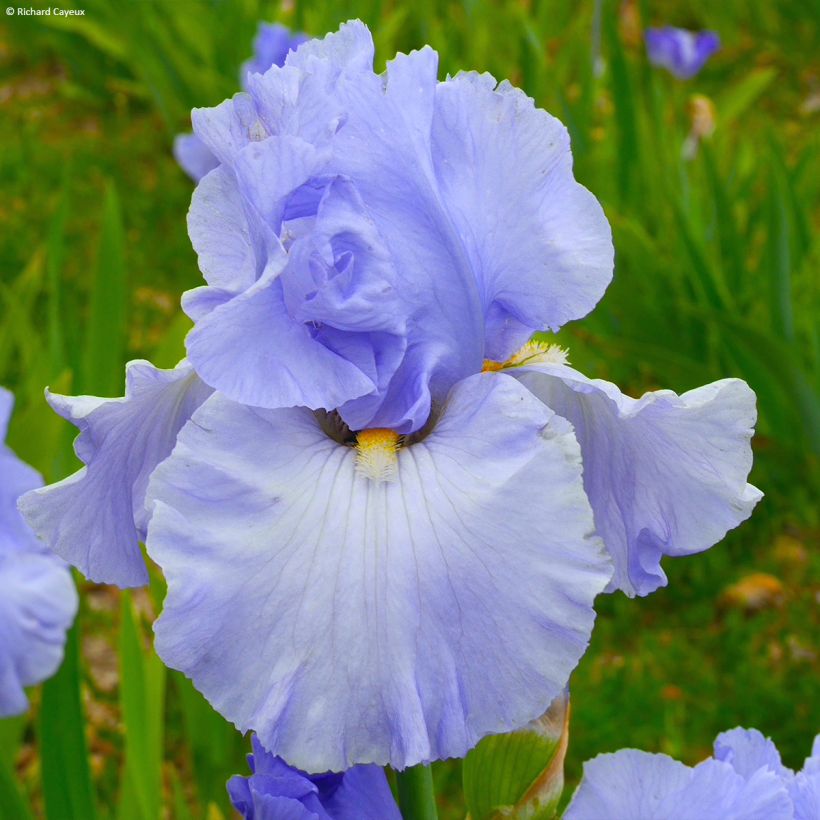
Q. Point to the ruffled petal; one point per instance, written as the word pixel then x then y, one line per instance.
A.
pixel 220 233
pixel 747 751
pixel 38 603
pixel 634 785
pixel 538 241
pixel 717 792
pixel 250 348
pixel 804 791
pixel 349 621
pixel 666 474
pixel 628 785
pixel 96 517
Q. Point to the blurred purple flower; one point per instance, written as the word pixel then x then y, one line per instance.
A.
pixel 38 601
pixel 276 791
pixel 745 780
pixel 682 52
pixel 271 46
pixel 416 539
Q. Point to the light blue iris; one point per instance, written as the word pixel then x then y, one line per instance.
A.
pixel 382 528
pixel 745 780
pixel 38 601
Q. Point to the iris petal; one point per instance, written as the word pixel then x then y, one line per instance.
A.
pixel 747 750
pixel 634 785
pixel 121 441
pixel 349 621
pixel 38 603
pixel 665 474
pixel 16 478
pixel 539 243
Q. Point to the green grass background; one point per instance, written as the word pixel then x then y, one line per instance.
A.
pixel 716 275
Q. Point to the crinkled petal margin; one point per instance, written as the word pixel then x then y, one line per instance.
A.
pixel 348 621
pixel 665 474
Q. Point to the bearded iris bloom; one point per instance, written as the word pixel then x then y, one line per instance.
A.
pixel 384 515
pixel 271 46
pixel 681 52
pixel 745 780
pixel 275 791
pixel 38 601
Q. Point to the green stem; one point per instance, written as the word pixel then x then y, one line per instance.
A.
pixel 417 796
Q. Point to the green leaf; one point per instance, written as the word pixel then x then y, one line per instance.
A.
pixel 521 772
pixel 142 699
pixel 416 793
pixel 216 749
pixel 63 750
pixel 739 96
pixel 626 117
pixel 55 251
pixel 12 800
pixel 105 343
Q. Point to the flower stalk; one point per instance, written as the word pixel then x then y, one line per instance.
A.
pixel 417 796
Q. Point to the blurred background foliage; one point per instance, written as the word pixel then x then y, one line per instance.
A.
pixel 717 275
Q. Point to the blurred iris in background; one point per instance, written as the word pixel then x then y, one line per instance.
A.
pixel 38 600
pixel 681 52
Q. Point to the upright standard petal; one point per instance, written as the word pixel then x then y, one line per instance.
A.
pixel 539 243
pixel 665 474
pixel 353 621
pixel 38 603
pixel 96 517
pixel 275 791
pixel 634 785
pixel 469 201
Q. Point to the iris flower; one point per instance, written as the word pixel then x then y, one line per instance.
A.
pixel 681 52
pixel 745 780
pixel 38 601
pixel 383 514
pixel 275 791
pixel 271 46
